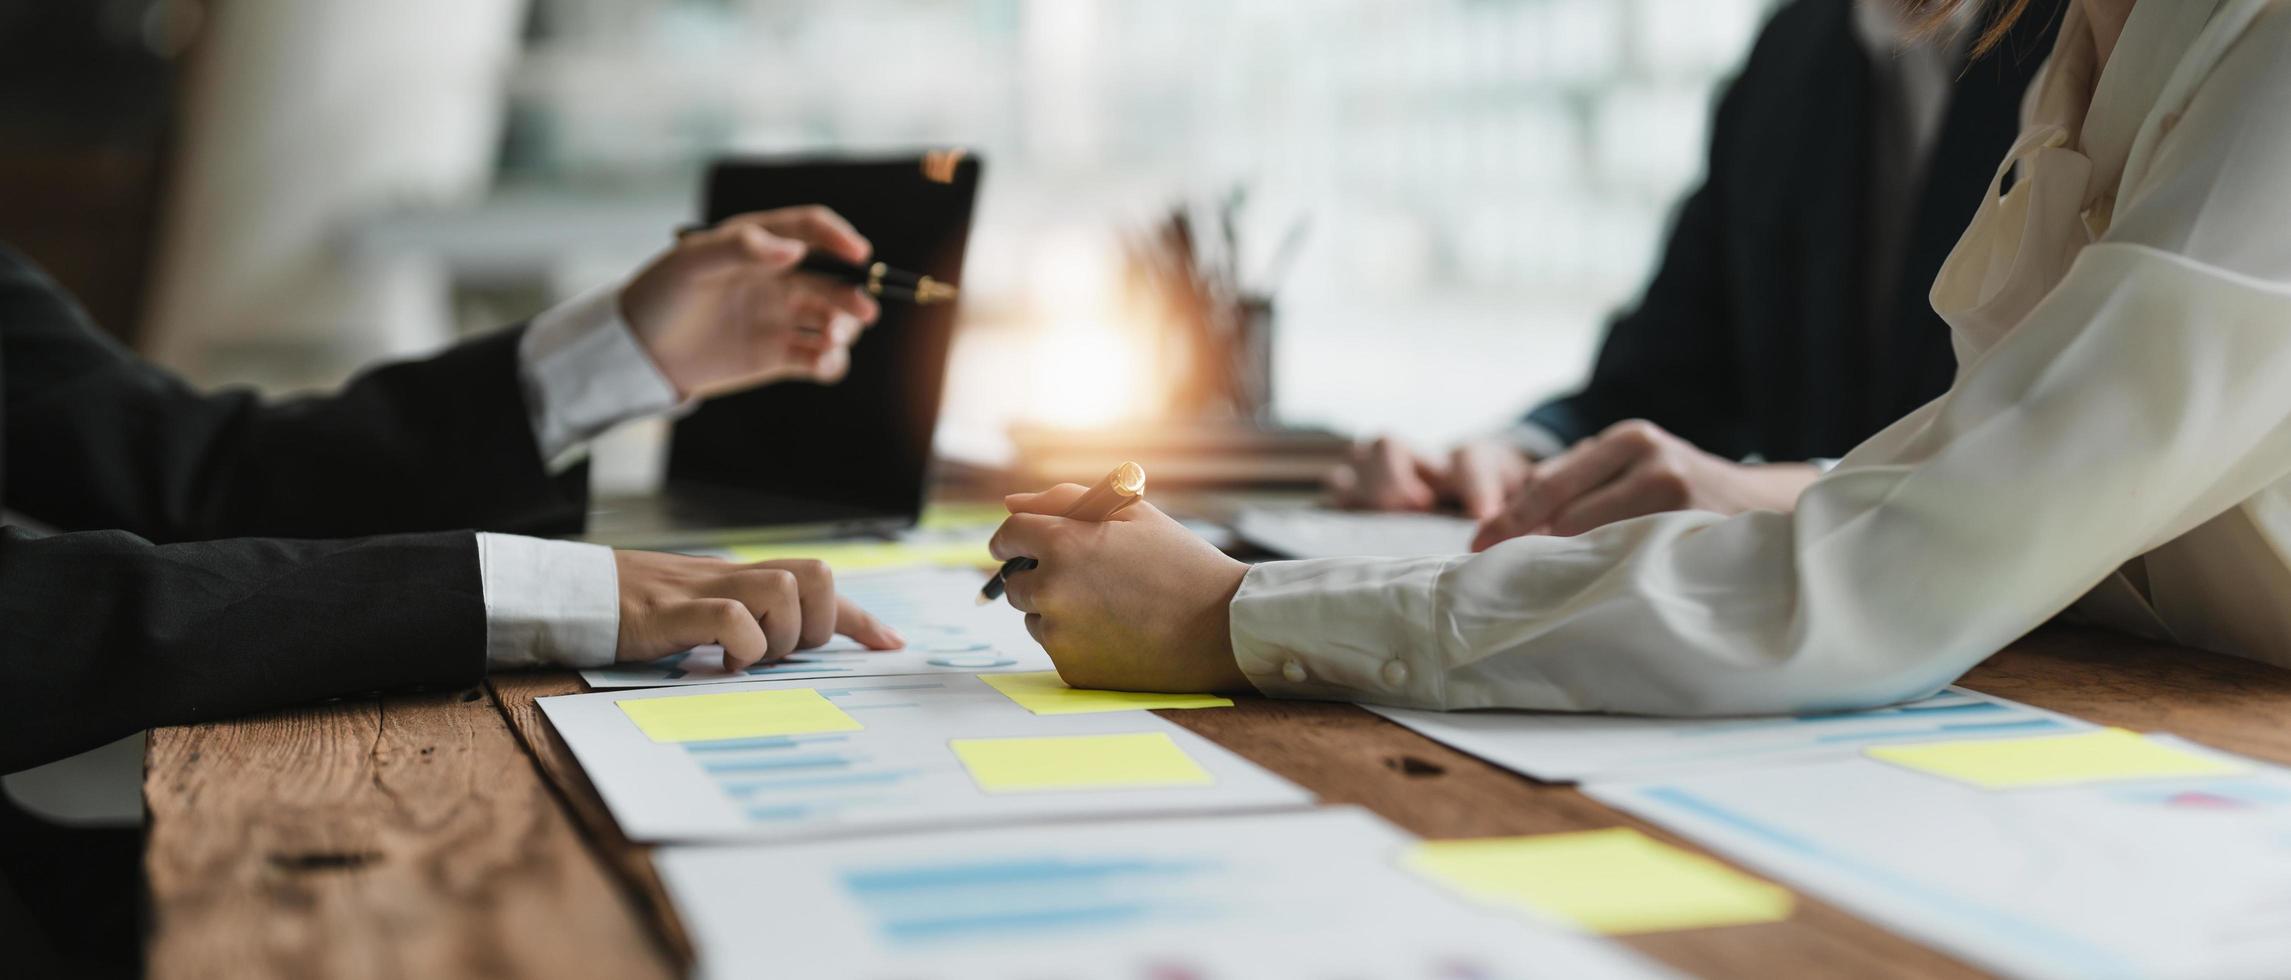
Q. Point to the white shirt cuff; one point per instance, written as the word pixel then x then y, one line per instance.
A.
pixel 1534 440
pixel 1341 629
pixel 584 373
pixel 548 603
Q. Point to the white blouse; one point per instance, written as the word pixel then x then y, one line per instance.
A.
pixel 2118 439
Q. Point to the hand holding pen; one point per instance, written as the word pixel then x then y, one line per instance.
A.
pixel 1121 488
pixel 1124 598
pixel 876 279
pixel 727 307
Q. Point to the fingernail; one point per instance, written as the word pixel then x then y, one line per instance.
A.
pixel 895 636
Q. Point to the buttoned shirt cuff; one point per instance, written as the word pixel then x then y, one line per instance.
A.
pixel 584 373
pixel 548 603
pixel 1534 440
pixel 1342 629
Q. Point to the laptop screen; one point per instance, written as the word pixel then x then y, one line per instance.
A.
pixel 858 451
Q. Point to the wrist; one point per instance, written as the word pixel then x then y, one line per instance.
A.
pixel 1786 481
pixel 632 314
pixel 584 369
pixel 548 603
pixel 1215 641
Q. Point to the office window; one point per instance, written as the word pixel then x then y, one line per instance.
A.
pixel 1484 179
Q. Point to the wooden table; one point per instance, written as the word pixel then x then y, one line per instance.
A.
pixel 452 835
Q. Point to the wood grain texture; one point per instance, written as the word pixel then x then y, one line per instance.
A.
pixel 2112 679
pixel 629 861
pixel 400 837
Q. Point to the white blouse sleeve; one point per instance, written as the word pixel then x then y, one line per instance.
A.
pixel 2148 392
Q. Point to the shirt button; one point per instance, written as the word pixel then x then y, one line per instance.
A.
pixel 1395 673
pixel 1293 672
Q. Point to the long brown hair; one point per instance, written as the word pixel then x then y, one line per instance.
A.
pixel 2003 14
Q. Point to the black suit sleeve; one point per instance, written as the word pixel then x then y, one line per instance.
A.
pixel 103 633
pixel 96 438
pixel 1670 358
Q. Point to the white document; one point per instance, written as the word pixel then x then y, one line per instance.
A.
pixel 947 633
pixel 1565 747
pixel 1316 532
pixel 897 772
pixel 1312 894
pixel 2159 878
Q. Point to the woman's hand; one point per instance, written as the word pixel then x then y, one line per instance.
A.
pixel 1633 469
pixel 1136 603
pixel 759 613
pixel 1386 474
pixel 725 309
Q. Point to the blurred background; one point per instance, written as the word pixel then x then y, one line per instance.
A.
pixel 274 192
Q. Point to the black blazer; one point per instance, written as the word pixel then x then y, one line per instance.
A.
pixel 140 616
pixel 1752 337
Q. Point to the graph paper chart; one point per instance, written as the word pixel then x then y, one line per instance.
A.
pixel 927 752
pixel 2166 877
pixel 1567 747
pixel 1312 893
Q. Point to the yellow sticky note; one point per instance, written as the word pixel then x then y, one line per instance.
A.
pixel 851 556
pixel 1612 881
pixel 1043 693
pixel 737 714
pixel 1068 762
pixel 2054 760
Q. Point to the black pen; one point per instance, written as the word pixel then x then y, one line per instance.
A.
pixel 1121 488
pixel 876 279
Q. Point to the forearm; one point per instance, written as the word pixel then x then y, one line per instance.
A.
pixel 444 442
pixel 105 633
pixel 487 434
pixel 2072 447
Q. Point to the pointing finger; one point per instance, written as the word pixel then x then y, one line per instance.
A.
pixel 859 624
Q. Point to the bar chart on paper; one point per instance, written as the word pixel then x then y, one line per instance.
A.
pixel 1262 896
pixel 2183 876
pixel 946 634
pixel 1578 747
pixel 886 753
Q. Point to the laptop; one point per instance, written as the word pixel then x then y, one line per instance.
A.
pixel 799 460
